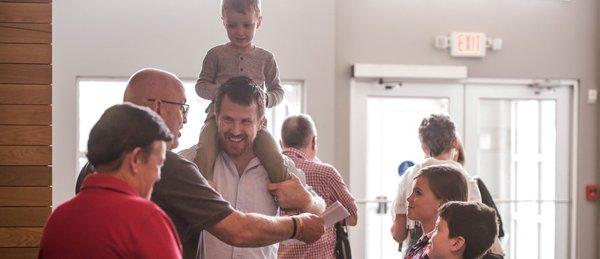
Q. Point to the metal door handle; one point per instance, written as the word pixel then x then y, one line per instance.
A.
pixel 382 205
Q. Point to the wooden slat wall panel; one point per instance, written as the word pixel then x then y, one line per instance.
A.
pixel 26 1
pixel 25 176
pixel 25 33
pixel 18 253
pixel 25 125
pixel 26 53
pixel 25 114
pixel 25 155
pixel 20 237
pixel 25 135
pixel 25 196
pixel 25 13
pixel 13 216
pixel 25 94
pixel 26 74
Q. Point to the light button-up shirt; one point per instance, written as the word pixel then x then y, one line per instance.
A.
pixel 247 193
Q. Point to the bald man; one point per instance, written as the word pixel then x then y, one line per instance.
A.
pixel 299 143
pixel 184 194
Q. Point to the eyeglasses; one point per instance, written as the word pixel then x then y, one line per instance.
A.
pixel 182 106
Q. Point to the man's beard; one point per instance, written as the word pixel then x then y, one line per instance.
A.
pixel 233 148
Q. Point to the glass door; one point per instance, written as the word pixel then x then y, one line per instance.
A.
pixel 517 141
pixel 389 117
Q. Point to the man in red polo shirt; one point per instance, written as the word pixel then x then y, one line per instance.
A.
pixel 112 216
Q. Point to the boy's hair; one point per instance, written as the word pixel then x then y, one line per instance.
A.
pixel 240 6
pixel 437 132
pixel 243 91
pixel 446 182
pixel 475 222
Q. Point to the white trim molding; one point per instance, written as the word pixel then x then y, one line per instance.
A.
pixel 408 71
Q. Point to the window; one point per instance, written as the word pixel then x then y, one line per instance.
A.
pixel 96 95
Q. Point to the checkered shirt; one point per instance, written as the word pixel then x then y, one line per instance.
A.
pixel 328 183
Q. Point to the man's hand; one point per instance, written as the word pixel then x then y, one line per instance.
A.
pixel 290 194
pixel 312 227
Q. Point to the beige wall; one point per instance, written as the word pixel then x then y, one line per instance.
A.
pixel 542 39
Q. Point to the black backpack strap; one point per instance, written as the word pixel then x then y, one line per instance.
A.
pixel 486 198
pixel 342 243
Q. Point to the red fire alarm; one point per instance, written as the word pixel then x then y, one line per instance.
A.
pixel 591 192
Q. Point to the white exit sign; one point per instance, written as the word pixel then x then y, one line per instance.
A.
pixel 467 44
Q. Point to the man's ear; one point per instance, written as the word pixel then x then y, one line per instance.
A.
pixel 155 106
pixel 281 144
pixel 313 143
pixel 136 159
pixel 457 244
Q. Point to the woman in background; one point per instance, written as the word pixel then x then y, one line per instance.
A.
pixel 433 186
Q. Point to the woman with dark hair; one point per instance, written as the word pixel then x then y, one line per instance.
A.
pixel 432 187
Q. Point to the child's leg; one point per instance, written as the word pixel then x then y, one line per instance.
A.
pixel 267 150
pixel 208 147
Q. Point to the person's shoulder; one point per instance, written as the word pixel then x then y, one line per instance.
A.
pixel 218 50
pixel 188 153
pixel 177 164
pixel 176 158
pixel 414 169
pixel 64 207
pixel 142 204
pixel 323 168
pixel 221 47
pixel 143 207
pixel 263 52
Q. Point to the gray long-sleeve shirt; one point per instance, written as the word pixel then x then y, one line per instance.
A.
pixel 224 62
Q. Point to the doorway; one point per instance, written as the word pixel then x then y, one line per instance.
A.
pixel 517 139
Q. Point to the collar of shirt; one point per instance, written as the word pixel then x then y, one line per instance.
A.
pixel 255 162
pixel 103 181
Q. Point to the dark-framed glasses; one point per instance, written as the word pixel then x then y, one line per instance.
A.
pixel 182 106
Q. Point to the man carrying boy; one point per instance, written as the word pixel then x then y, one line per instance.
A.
pixel 186 196
pixel 463 230
pixel 239 176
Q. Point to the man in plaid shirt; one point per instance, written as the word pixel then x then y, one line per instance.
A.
pixel 299 142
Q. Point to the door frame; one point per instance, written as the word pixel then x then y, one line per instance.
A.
pixel 363 87
pixel 573 145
